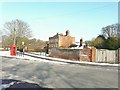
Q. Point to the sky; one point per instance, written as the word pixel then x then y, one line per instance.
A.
pixel 83 19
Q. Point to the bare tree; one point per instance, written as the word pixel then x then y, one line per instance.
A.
pixel 118 30
pixel 111 30
pixel 22 28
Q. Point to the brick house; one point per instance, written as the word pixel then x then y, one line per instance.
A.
pixel 60 40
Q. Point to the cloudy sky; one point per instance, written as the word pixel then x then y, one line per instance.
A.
pixel 82 19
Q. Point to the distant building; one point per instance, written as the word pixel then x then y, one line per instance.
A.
pixel 80 45
pixel 60 40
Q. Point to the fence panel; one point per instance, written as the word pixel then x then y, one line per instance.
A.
pixel 106 56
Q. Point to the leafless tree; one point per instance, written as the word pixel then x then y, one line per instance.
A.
pixel 22 28
pixel 118 30
pixel 111 30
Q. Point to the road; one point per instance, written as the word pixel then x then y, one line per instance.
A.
pixel 59 75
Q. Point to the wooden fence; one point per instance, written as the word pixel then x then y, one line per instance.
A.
pixel 106 56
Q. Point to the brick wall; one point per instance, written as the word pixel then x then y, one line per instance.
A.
pixel 85 54
pixel 72 54
pixel 65 54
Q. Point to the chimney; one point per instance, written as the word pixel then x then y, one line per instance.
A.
pixel 67 33
pixel 57 34
pixel 81 42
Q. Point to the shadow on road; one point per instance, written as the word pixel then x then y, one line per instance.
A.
pixel 11 84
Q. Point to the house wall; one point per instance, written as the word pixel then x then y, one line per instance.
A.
pixel 60 41
pixel 53 42
pixel 66 41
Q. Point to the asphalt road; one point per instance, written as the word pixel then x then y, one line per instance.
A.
pixel 59 75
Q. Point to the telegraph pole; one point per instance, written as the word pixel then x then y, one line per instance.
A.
pixel 14 37
pixel 15 28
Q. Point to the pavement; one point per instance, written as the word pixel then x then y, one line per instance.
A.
pixel 36 56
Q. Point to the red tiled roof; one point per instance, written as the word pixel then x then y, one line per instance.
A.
pixel 57 35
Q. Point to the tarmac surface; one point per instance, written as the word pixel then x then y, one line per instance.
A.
pixel 49 74
pixel 40 72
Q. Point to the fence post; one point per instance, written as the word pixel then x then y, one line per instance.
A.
pixel 93 52
pixel 118 55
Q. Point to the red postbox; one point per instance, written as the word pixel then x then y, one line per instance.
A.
pixel 13 50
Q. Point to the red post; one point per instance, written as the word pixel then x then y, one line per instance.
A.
pixel 13 50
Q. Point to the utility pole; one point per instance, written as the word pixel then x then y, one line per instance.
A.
pixel 14 37
pixel 15 28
